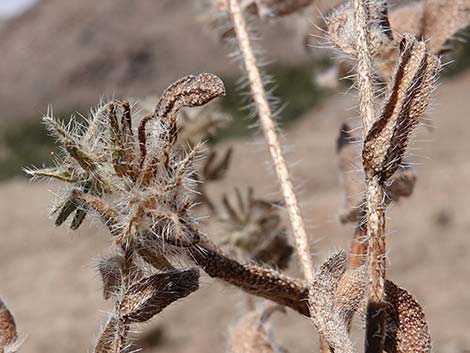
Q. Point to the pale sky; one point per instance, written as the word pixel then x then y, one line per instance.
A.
pixel 14 7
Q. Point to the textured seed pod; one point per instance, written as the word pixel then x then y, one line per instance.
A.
pixel 413 83
pixel 8 334
pixel 147 297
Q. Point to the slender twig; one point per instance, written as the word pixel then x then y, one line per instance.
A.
pixel 269 131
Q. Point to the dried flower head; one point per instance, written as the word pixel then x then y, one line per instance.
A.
pixel 137 179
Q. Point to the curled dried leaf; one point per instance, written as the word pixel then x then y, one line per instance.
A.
pixel 413 83
pixel 189 91
pixel 335 295
pixel 148 296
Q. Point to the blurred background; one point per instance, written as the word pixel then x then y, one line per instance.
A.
pixel 70 54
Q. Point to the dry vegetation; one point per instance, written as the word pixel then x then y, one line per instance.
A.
pixel 145 174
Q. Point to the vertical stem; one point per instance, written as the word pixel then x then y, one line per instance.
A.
pixel 375 209
pixel 364 65
pixel 269 131
pixel 376 264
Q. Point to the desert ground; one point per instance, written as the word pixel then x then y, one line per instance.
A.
pixel 48 279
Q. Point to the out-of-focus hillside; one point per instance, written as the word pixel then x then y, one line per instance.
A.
pixel 48 280
pixel 68 53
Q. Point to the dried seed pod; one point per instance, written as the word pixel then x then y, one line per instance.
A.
pixel 147 297
pixel 256 280
pixel 413 83
pixel 8 334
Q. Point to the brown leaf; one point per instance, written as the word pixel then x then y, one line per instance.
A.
pixel 335 295
pixel 405 322
pixel 189 91
pixel 147 297
pixel 413 83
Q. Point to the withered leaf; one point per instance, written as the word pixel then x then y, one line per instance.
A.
pixel 147 297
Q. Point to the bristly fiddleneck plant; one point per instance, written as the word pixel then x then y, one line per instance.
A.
pixel 139 181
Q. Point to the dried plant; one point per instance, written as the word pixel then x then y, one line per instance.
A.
pixel 142 174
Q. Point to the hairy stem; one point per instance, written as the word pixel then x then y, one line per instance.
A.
pixel 364 65
pixel 256 280
pixel 375 212
pixel 269 131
